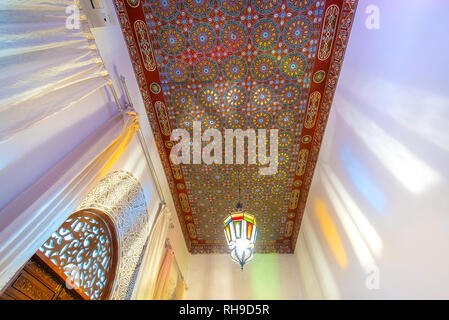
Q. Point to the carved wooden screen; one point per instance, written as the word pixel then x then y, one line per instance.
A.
pixel 85 248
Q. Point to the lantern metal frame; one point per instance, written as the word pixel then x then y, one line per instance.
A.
pixel 240 230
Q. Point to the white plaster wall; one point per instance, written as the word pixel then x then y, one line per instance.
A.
pixel 115 55
pixel 268 276
pixel 376 221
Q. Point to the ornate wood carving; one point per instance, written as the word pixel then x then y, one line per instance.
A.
pixel 38 281
pixel 84 247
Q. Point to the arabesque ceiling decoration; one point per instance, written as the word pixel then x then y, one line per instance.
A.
pixel 262 64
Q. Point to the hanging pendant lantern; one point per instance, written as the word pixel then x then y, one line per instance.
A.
pixel 241 233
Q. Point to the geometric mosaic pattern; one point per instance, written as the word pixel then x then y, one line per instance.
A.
pixel 263 64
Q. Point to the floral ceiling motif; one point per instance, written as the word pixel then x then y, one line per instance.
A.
pixel 262 64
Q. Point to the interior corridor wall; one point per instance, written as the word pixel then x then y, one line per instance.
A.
pixel 268 276
pixel 376 221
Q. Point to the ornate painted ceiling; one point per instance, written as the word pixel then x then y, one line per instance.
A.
pixel 270 64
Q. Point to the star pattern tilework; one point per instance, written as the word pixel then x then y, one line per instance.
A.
pixel 237 64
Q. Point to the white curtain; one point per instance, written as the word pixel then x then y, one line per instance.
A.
pixel 46 66
pixel 30 219
pixel 149 268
